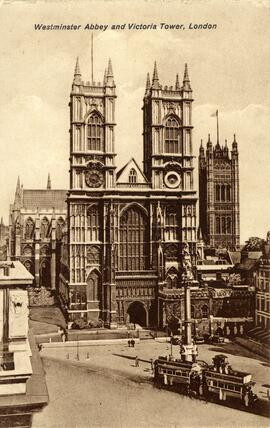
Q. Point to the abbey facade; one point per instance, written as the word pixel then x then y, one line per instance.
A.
pixel 127 229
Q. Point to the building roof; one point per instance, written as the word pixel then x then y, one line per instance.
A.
pixel 44 198
pixel 235 256
pixel 14 273
pixel 254 255
pixel 247 264
pixel 122 174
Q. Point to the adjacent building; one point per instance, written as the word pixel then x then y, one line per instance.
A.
pixel 22 383
pixel 262 284
pixel 219 195
pixel 37 219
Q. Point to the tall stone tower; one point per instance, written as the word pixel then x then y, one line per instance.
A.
pixel 92 176
pixel 168 159
pixel 219 195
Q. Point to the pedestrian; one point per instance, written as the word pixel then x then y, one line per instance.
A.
pixel 136 361
pixel 152 364
pixel 129 343
pixel 132 343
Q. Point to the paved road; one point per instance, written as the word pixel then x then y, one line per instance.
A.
pixel 106 390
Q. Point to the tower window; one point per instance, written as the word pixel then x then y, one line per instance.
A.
pixel 228 193
pixel 229 225
pixel 172 135
pixel 94 132
pixel 93 224
pixel 217 192
pixel 218 225
pixel 132 176
pixel 171 226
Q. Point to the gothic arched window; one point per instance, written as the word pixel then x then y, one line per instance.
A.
pixel 94 132
pixel 217 192
pixel 229 226
pixel 171 226
pixel 223 225
pixel 59 228
pixel 93 224
pixel 44 228
pixel 132 178
pixel 93 255
pixel 218 231
pixel 205 311
pixel 133 240
pixel 172 135
pixel 228 193
pixel 29 266
pixel 223 197
pixel 29 228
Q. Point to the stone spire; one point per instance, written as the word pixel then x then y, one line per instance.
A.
pixel 209 145
pixel 225 149
pixel 105 77
pixel 177 84
pixel 234 144
pixel 77 73
pixel 17 201
pixel 49 184
pixel 155 79
pixel 109 75
pixel 110 70
pixel 148 84
pixel 201 149
pixel 186 81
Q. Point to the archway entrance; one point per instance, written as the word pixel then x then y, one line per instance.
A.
pixel 137 314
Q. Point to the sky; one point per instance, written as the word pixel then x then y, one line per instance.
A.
pixel 228 69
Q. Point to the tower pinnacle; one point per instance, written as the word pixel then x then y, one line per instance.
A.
pixel 148 84
pixel 186 81
pixel 201 149
pixel 234 144
pixel 110 70
pixel 155 79
pixel 77 73
pixel 177 84
pixel 49 184
pixel 18 193
pixel 105 77
pixel 109 75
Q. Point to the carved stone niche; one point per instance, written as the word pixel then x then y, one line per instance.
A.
pixel 27 250
pixel 171 252
pixel 93 255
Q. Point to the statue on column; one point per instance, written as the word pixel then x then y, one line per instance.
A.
pixel 187 274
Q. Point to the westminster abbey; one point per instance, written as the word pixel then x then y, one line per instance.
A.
pixel 111 247
pixel 127 228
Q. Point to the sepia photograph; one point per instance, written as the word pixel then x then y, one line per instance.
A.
pixel 134 215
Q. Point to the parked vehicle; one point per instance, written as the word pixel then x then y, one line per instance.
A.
pixel 217 380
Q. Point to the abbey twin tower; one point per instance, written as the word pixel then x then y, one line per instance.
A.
pixel 125 230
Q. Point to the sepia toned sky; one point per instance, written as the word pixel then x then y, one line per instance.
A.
pixel 228 68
